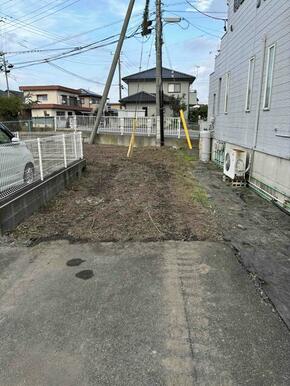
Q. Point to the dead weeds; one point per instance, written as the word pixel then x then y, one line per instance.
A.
pixel 151 197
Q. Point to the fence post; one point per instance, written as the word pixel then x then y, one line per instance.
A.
pixel 64 151
pixel 75 145
pixel 81 146
pixel 40 159
pixel 55 123
pixel 149 126
pixel 75 122
pixel 179 129
pixel 122 125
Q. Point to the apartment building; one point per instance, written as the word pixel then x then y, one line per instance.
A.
pixel 249 97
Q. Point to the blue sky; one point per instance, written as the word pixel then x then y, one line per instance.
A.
pixel 62 24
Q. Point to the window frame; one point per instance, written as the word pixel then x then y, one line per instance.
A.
pixel 93 101
pixel 250 83
pixel 174 84
pixel 43 97
pixel 226 99
pixel 219 95
pixel 269 79
pixel 214 104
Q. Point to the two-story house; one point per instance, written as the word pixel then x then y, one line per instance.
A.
pixel 55 100
pixel 142 90
pixel 249 97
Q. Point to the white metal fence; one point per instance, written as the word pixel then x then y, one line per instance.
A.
pixel 25 162
pixel 145 126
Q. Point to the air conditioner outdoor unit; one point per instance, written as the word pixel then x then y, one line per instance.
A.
pixel 235 163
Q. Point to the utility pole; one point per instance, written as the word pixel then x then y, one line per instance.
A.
pixel 159 83
pixel 6 71
pixel 112 70
pixel 120 79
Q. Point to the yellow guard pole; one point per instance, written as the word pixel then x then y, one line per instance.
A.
pixel 185 129
pixel 132 140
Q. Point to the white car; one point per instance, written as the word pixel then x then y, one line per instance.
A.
pixel 16 161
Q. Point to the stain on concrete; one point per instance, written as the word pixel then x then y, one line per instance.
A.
pixel 75 262
pixel 85 275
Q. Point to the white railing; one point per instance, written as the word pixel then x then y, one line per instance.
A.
pixel 145 126
pixel 116 125
pixel 172 127
pixel 25 162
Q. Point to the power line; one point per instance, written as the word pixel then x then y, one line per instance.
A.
pixel 201 29
pixel 33 20
pixel 205 14
pixel 30 28
pixel 77 75
pixel 195 26
pixel 14 22
pixel 73 52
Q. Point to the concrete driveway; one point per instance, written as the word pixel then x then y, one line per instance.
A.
pixel 166 313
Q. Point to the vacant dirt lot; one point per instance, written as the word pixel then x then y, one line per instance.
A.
pixel 152 196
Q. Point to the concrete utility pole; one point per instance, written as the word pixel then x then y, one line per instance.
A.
pixel 112 70
pixel 6 73
pixel 120 79
pixel 159 83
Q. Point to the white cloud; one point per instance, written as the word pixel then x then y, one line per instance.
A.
pixel 203 5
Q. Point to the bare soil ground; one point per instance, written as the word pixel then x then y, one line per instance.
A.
pixel 151 197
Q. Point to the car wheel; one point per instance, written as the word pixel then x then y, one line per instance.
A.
pixel 28 174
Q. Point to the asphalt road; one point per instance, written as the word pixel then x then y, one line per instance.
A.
pixel 168 313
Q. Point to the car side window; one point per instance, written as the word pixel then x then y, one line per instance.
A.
pixel 4 138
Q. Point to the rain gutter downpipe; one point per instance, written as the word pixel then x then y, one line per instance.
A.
pixel 258 113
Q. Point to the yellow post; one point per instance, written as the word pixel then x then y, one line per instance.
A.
pixel 185 129
pixel 132 140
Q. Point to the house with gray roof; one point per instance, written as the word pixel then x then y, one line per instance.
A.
pixel 142 90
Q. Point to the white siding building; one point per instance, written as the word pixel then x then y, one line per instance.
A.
pixel 249 97
pixel 142 89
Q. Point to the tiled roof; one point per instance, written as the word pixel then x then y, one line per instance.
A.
pixel 142 97
pixel 167 74
pixel 84 92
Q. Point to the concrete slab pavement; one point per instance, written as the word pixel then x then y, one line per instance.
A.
pixel 168 313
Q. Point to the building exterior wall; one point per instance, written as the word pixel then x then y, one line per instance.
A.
pixel 150 87
pixel 55 97
pixel 151 108
pixel 32 96
pixel 87 101
pixel 251 31
pixel 36 113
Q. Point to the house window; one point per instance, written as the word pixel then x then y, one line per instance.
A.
pixel 250 84
pixel 64 99
pixel 60 113
pixel 82 101
pixel 41 97
pixel 174 87
pixel 93 101
pixel 219 96
pixel 269 77
pixel 73 101
pixel 226 105
pixel 213 104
